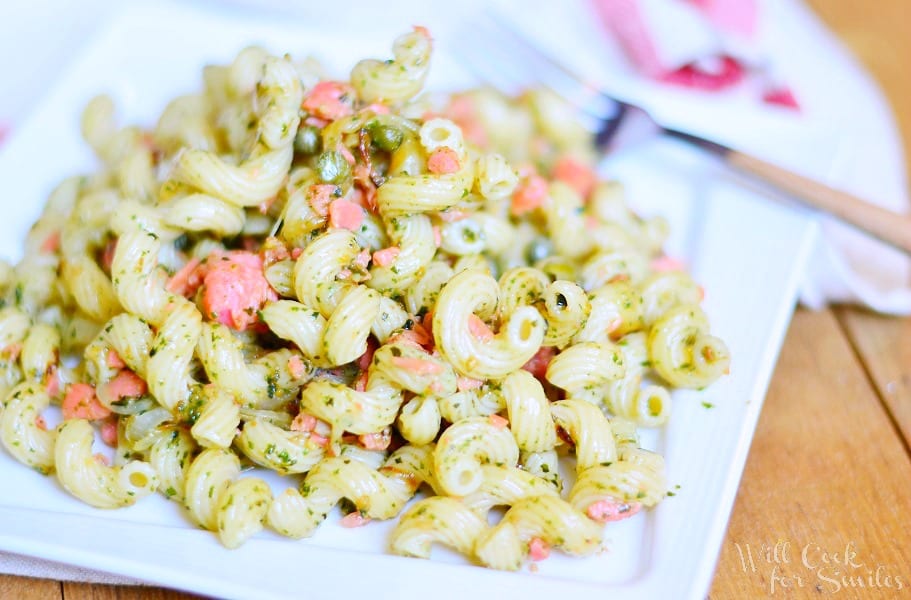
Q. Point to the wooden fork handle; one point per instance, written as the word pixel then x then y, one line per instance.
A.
pixel 888 226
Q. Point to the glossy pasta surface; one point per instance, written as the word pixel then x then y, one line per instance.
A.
pixel 373 293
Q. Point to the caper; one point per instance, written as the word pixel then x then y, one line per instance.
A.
pixel 333 168
pixel 385 137
pixel 307 140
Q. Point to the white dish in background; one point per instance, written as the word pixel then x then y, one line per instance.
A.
pixel 748 253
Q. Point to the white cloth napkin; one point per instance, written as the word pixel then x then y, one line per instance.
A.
pixel 27 566
pixel 858 151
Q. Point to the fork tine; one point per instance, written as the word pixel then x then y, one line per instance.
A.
pixel 500 67
pixel 562 80
pixel 482 60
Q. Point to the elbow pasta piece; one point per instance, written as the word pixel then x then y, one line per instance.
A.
pixel 372 458
pixel 566 310
pixel 217 420
pixel 279 276
pixel 319 266
pixel 683 352
pixel 168 370
pixel 413 236
pixel 261 176
pixel 420 420
pixel 139 283
pixel 465 447
pixel 83 475
pixel 545 465
pixel 441 133
pixel 135 173
pixel 390 318
pixel 439 520
pixel 248 184
pixel 184 123
pixel 245 70
pixel 529 412
pixel 639 479
pixel 397 80
pixel 422 295
pixel 583 369
pixel 666 290
pixel 98 124
pixel 241 510
pixel 413 369
pixel 170 458
pixel 10 375
pixel 280 450
pixel 130 337
pixel 520 336
pixel 589 430
pixel 201 212
pixel 413 462
pixel 616 310
pixel 496 179
pixel 36 282
pixel 498 233
pixel 40 350
pixel 20 432
pixel 634 352
pixel 349 410
pixel 90 287
pixel 279 95
pixel 305 327
pixel 647 405
pixel 504 486
pixel 473 262
pixel 564 221
pixel 521 286
pixel 209 476
pixel 14 326
pixel 547 518
pixel 298 219
pixel 609 266
pixel 625 434
pixel 609 206
pixel 463 237
pixel 479 402
pixel 403 195
pixel 377 494
pixel 265 383
pixel 347 329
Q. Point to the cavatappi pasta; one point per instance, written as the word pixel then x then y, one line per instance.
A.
pixel 367 293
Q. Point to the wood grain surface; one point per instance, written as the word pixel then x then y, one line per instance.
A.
pixel 824 504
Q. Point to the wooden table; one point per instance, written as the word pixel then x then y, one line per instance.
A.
pixel 829 473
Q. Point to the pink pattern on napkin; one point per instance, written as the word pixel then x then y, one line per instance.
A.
pixel 625 21
pixel 736 16
pixel 781 96
pixel 730 72
pixel 692 43
pixel 636 24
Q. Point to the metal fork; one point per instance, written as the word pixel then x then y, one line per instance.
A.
pixel 504 58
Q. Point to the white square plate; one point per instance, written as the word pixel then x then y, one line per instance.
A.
pixel 747 253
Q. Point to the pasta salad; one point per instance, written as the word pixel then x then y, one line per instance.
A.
pixel 374 293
